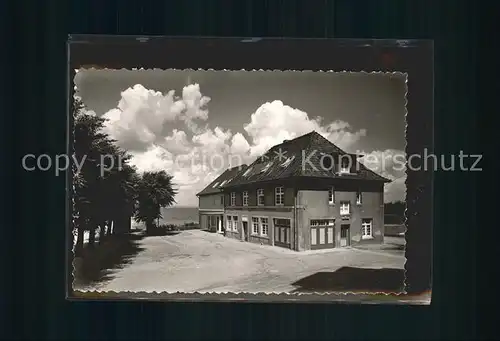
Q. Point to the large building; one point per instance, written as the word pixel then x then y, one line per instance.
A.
pixel 302 194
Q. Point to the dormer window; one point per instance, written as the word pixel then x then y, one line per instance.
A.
pixel 247 171
pixel 344 168
pixel 215 184
pixel 288 161
pixel 266 167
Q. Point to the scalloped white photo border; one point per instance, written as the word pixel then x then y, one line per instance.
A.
pixel 313 297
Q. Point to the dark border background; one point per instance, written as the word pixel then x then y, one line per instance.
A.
pixel 34 117
pixel 412 57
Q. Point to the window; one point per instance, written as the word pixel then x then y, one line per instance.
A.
pixel 229 223
pixel 233 199
pixel 266 167
pixel 223 183
pixel 279 196
pixel 345 165
pixel 222 200
pixel 245 198
pixel 247 171
pixel 215 184
pixel 282 231
pixel 288 161
pixel 264 226
pixel 359 198
pixel 255 225
pixel 366 229
pixel 235 223
pixel 331 196
pixel 344 208
pixel 260 197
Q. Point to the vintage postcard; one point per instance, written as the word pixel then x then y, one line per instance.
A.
pixel 239 182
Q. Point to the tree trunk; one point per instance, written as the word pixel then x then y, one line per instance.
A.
pixel 102 233
pixel 92 236
pixel 111 227
pixel 149 227
pixel 79 241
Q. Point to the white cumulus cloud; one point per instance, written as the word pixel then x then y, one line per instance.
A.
pixel 195 153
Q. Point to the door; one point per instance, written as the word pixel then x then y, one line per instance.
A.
pixel 345 235
pixel 245 230
pixel 322 233
pixel 219 224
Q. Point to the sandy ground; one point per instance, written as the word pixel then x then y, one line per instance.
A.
pixel 198 261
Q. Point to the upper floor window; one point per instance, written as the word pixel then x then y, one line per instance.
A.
pixel 331 196
pixel 260 197
pixel 359 198
pixel 245 198
pixel 345 208
pixel 233 199
pixel 279 196
pixel 222 200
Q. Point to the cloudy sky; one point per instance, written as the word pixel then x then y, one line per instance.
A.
pixel 177 120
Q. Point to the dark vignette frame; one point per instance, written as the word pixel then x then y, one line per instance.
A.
pixel 413 57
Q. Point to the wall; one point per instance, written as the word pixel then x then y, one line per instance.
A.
pixel 210 201
pixel 268 188
pixel 313 203
pixel 269 213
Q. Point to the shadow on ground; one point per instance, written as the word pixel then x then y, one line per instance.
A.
pixel 97 263
pixel 353 279
pixel 395 247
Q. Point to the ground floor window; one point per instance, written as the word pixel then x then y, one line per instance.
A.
pixel 322 231
pixel 282 230
pixel 366 228
pixel 255 225
pixel 235 223
pixel 229 223
pixel 264 226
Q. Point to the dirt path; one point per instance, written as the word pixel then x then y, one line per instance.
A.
pixel 199 261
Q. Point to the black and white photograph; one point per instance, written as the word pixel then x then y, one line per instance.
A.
pixel 273 182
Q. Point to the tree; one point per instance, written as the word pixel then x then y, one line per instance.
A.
pixel 155 190
pixel 105 186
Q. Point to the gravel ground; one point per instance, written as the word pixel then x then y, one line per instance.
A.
pixel 197 261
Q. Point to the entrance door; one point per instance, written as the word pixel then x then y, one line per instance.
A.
pixel 345 235
pixel 219 224
pixel 322 233
pixel 245 230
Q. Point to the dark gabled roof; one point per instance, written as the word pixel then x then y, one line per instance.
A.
pixel 224 177
pixel 310 147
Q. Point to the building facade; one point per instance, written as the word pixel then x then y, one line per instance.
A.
pixel 305 194
pixel 211 203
